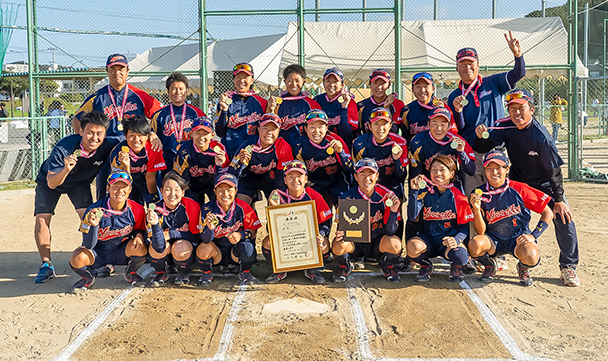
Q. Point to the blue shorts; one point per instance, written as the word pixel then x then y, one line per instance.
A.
pixel 503 247
pixel 45 200
pixel 368 250
pixel 250 186
pixel 115 255
pixel 433 249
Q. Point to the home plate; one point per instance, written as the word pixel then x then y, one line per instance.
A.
pixel 295 305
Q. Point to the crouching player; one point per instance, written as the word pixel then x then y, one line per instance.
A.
pixel 502 214
pixel 230 227
pixel 385 246
pixel 296 177
pixel 113 230
pixel 174 229
pixel 444 215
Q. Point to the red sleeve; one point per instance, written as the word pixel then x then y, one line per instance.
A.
pixel 383 191
pixel 193 210
pixel 405 160
pixel 156 161
pixel 312 103
pixel 398 105
pixel 353 114
pixel 464 214
pixel 331 136
pixel 250 218
pixel 151 105
pixel 263 102
pixel 323 211
pixel 138 214
pixel 214 143
pixel 534 199
pixel 284 153
pixel 198 111
pixel 467 148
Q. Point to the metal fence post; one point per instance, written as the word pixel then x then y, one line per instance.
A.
pixel 398 11
pixel 301 33
pixel 573 171
pixel 203 53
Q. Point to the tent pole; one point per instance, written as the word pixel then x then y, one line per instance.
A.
pixel 203 54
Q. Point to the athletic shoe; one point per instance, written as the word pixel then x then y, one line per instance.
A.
pixel 569 277
pixel 182 278
pixel 205 279
pixel 82 285
pixel 247 278
pixel 134 279
pixel 470 267
pixel 424 275
pixel 159 279
pixel 391 275
pixel 276 277
pixel 45 273
pixel 489 272
pixel 524 275
pixel 341 273
pixel 314 275
pixel 104 271
pixel 456 273
pixel 359 264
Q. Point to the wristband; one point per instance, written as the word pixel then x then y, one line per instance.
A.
pixel 540 228
pixel 459 237
pixel 245 235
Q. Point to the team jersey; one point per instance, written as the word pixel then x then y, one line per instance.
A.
pixel 240 217
pixel 506 210
pixel 198 167
pixel 342 121
pixel 441 214
pixel 240 122
pixel 114 226
pixel 324 170
pixel 414 119
pixel 182 222
pixel 324 214
pixel 423 146
pixel 392 172
pixel 173 125
pixel 116 105
pixel 86 167
pixel 292 112
pixel 484 106
pixel 378 211
pixel 366 106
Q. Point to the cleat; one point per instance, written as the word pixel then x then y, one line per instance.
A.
pixel 183 278
pixel 159 279
pixel 569 277
pixel 391 275
pixel 276 277
pixel 247 278
pixel 456 273
pixel 104 271
pixel 524 275
pixel 341 273
pixel 205 279
pixel 45 273
pixel 489 272
pixel 134 279
pixel 470 267
pixel 82 285
pixel 359 264
pixel 424 275
pixel 314 275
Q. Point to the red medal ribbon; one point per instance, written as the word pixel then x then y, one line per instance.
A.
pixel 84 153
pixel 475 84
pixel 112 211
pixel 248 93
pixel 427 106
pixel 430 185
pixel 289 198
pixel 119 113
pixel 135 157
pixel 302 96
pixel 490 193
pixel 223 216
pixel 179 133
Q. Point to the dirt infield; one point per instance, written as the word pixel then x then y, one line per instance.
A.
pixel 367 318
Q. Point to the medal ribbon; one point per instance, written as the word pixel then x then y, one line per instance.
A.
pixel 441 142
pixel 223 216
pixel 248 93
pixel 258 148
pixel 475 84
pixel 179 133
pixel 427 106
pixel 289 198
pixel 384 101
pixel 84 153
pixel 351 95
pixel 388 142
pixel 368 198
pixel 119 113
pixel 490 193
pixel 302 96
pixel 431 189
pixel 135 157
pixel 204 152
pixel 318 146
pixel 111 211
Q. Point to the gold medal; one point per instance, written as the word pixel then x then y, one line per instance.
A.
pixel 353 209
pixel 228 101
pixel 388 202
pixel 217 149
pixel 279 100
pixel 454 144
pixel 330 150
pixel 214 220
pixel 396 149
pixel 422 184
pixel 120 127
pixel 274 198
pixel 77 152
pixel 485 135
pixel 464 102
pixel 436 101
pixel 99 214
pixel 341 99
pixel 249 149
pixel 478 191
pixel 125 149
pixel 151 206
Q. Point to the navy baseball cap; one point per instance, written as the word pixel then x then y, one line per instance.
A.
pixel 270 118
pixel 295 165
pixel 120 177
pixel 440 112
pixel 467 54
pixel 242 67
pixel 204 123
pixel 380 113
pixel 520 96
pixel 116 59
pixel 335 71
pixel 316 114
pixel 496 156
pixel 366 163
pixel 227 178
pixel 424 76
pixel 380 73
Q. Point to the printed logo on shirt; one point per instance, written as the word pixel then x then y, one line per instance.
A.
pixel 106 233
pixel 415 128
pixel 494 216
pixel 533 153
pixel 98 163
pixel 195 171
pixel 169 129
pixel 220 231
pixel 485 93
pixel 430 215
pixel 334 121
pixel 111 111
pixel 315 164
pixel 259 169
pixel 288 122
pixel 236 121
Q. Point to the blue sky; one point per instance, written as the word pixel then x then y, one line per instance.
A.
pixel 180 18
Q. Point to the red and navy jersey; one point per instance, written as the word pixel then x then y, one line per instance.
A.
pixel 366 106
pixel 506 210
pixel 379 212
pixel 324 214
pixel 182 222
pixel 414 118
pixel 117 226
pixel 115 106
pixel 240 122
pixel 324 170
pixel 423 146
pixel 240 217
pixel 440 214
pixel 293 114
pixel 86 167
pixel 342 121
pixel 146 161
pixel 174 127
pixel 198 167
pixel 392 172
pixel 265 164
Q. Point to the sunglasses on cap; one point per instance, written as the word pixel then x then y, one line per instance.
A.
pixel 467 52
pixel 380 72
pixel 380 113
pixel 295 164
pixel 335 71
pixel 316 114
pixel 422 75
pixel 517 95
pixel 366 163
pixel 120 175
pixel 243 66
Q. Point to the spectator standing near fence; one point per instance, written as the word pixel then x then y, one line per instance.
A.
pixel 557 105
pixel 3 111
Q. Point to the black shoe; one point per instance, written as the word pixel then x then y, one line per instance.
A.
pixel 205 279
pixel 314 275
pixel 391 275
pixel 456 273
pixel 247 278
pixel 276 277
pixel 159 279
pixel 182 278
pixel 424 275
pixel 470 267
pixel 341 273
pixel 82 285
pixel 489 272
pixel 524 275
pixel 103 271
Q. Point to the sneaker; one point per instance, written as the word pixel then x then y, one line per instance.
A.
pixel 456 273
pixel 159 279
pixel 524 275
pixel 45 273
pixel 82 285
pixel 314 275
pixel 247 278
pixel 569 277
pixel 391 275
pixel 276 277
pixel 341 273
pixel 489 272
pixel 470 267
pixel 359 264
pixel 424 275
pixel 205 279
pixel 134 279
pixel 183 278
pixel 104 271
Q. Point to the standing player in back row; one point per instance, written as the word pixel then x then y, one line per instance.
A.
pixel 379 83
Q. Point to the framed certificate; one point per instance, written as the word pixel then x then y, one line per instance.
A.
pixel 353 219
pixel 292 229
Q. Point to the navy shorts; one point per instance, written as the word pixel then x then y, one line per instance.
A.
pixel 226 251
pixel 368 250
pixel 115 255
pixel 46 198
pixel 249 186
pixel 433 249
pixel 503 247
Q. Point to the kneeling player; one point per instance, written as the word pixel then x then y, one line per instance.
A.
pixel 445 219
pixel 229 234
pixel 175 228
pixel 502 214
pixel 385 246
pixel 296 178
pixel 113 230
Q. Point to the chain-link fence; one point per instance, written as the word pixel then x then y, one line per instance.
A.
pixel 592 123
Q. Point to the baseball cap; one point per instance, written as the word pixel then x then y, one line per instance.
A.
pixel 116 59
pixel 203 122
pixel 120 177
pixel 242 67
pixel 380 113
pixel 335 71
pixel 466 54
pixel 316 114
pixel 380 73
pixel 520 96
pixel 440 112
pixel 496 156
pixel 295 165
pixel 227 178
pixel 424 76
pixel 270 117
pixel 366 163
